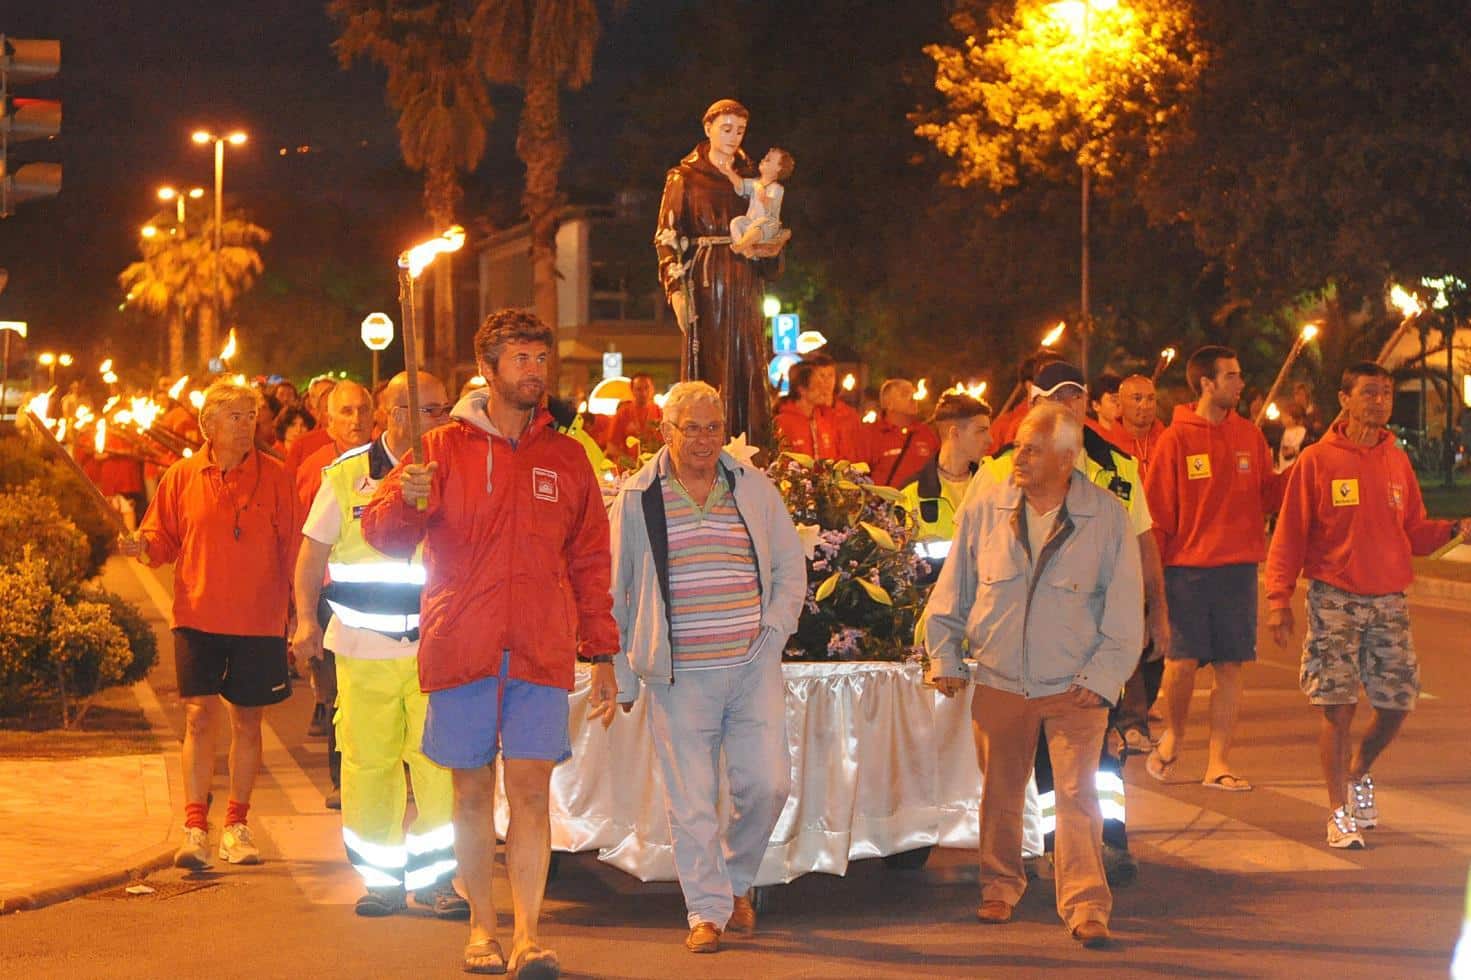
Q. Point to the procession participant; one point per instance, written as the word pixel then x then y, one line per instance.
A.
pixel 803 422
pixel 348 423
pixel 933 497
pixel 708 580
pixel 517 576
pixel 1211 489
pixel 1351 519
pixel 716 294
pixel 1003 429
pixel 1045 537
pixel 1105 466
pixel 896 445
pixel 227 518
pixel 316 404
pixel 1104 409
pixel 637 419
pixel 373 630
pixel 1139 426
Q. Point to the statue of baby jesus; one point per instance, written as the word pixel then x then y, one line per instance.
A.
pixel 758 233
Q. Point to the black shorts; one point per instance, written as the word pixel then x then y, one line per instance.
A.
pixel 1212 613
pixel 249 671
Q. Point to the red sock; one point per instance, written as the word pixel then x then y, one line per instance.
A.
pixel 235 812
pixel 196 815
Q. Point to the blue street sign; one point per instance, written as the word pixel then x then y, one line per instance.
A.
pixel 784 330
pixel 777 370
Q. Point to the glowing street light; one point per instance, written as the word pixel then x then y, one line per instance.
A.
pixel 168 193
pixel 770 306
pixel 237 138
pixel 50 360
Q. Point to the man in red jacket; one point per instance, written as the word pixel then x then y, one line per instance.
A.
pixel 897 445
pixel 518 570
pixel 1351 519
pixel 1210 486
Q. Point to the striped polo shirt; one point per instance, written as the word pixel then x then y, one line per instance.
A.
pixel 715 602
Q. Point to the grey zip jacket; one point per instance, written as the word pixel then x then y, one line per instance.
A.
pixel 1038 624
pixel 641 569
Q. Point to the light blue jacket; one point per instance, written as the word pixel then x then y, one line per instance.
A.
pixel 1036 625
pixel 640 569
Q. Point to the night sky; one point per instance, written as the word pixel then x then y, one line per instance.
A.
pixel 138 77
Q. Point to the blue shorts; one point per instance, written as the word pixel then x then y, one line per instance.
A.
pixel 1212 613
pixel 467 725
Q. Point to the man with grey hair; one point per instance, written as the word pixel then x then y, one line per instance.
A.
pixel 1048 539
pixel 226 517
pixel 708 582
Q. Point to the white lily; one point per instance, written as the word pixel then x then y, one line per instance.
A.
pixel 809 535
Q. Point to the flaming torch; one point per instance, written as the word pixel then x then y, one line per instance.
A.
pixel 1053 336
pixel 231 349
pixel 1308 332
pixel 1166 358
pixel 37 421
pixel 411 264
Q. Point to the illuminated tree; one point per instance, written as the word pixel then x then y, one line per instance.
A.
pixel 1056 86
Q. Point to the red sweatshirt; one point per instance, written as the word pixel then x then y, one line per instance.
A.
pixel 1352 518
pixel 1210 488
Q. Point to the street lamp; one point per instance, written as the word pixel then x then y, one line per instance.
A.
pixel 167 193
pixel 203 137
pixel 49 361
pixel 1076 16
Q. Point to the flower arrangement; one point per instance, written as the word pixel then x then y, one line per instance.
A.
pixel 862 594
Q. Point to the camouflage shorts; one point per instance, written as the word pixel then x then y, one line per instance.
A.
pixel 1354 639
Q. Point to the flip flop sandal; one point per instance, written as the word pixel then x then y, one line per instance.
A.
pixel 1160 769
pixel 535 963
pixel 484 956
pixel 1227 782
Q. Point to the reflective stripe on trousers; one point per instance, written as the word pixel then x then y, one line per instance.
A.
pixel 1110 787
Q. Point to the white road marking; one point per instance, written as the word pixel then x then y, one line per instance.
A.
pixel 1399 809
pixel 1188 835
pixel 311 847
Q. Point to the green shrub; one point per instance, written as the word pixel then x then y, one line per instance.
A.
pixel 21 463
pixel 25 620
pixel 31 524
pixel 141 639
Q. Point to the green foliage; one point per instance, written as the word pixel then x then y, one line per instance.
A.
pixel 31 526
pixel 23 467
pixel 862 599
pixel 139 634
pixel 25 617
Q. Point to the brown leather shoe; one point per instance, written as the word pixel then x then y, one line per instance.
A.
pixel 993 912
pixel 703 938
pixel 742 917
pixel 1092 934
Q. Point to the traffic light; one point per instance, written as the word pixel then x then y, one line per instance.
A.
pixel 22 120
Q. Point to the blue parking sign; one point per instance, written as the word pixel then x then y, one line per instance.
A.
pixel 778 368
pixel 784 330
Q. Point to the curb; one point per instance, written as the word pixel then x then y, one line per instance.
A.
pixel 151 861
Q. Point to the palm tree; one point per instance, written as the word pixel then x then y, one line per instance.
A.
pixel 539 46
pixel 175 277
pixel 444 109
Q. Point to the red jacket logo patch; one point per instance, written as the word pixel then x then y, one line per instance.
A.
pixel 544 484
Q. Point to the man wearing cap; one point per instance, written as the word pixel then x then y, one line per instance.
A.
pixel 1109 467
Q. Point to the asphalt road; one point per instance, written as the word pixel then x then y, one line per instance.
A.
pixel 1231 885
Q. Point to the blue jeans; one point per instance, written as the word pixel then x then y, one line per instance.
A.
pixel 741 710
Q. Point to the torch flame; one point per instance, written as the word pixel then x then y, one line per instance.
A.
pixel 145 411
pixel 417 259
pixel 105 367
pixel 1406 302
pixel 1055 334
pixel 849 382
pixel 177 388
pixel 230 347
pixel 107 405
pixel 196 398
pixel 1273 412
pixel 1168 354
pixel 1309 332
pixel 99 442
pixel 921 390
pixel 37 406
pixel 870 416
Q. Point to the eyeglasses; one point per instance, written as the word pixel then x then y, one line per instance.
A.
pixel 694 430
pixel 432 411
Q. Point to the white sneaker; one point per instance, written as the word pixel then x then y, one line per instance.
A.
pixel 194 852
pixel 237 846
pixel 1361 802
pixel 1343 830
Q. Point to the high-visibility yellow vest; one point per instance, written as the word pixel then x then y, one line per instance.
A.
pixel 368 589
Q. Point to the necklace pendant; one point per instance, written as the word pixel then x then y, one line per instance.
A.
pixel 237 532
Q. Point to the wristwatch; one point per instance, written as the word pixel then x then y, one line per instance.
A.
pixel 601 658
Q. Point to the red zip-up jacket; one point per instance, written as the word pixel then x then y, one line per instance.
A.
pixel 836 436
pixel 895 454
pixel 516 552
pixel 1352 517
pixel 1210 488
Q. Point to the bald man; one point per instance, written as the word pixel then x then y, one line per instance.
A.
pixel 372 605
pixel 1139 426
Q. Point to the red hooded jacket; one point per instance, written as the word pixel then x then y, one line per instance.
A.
pixel 835 435
pixel 1210 489
pixel 516 552
pixel 1352 517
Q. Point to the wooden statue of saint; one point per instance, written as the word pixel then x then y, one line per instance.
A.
pixel 714 292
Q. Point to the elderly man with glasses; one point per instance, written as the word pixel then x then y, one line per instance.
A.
pixel 708 582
